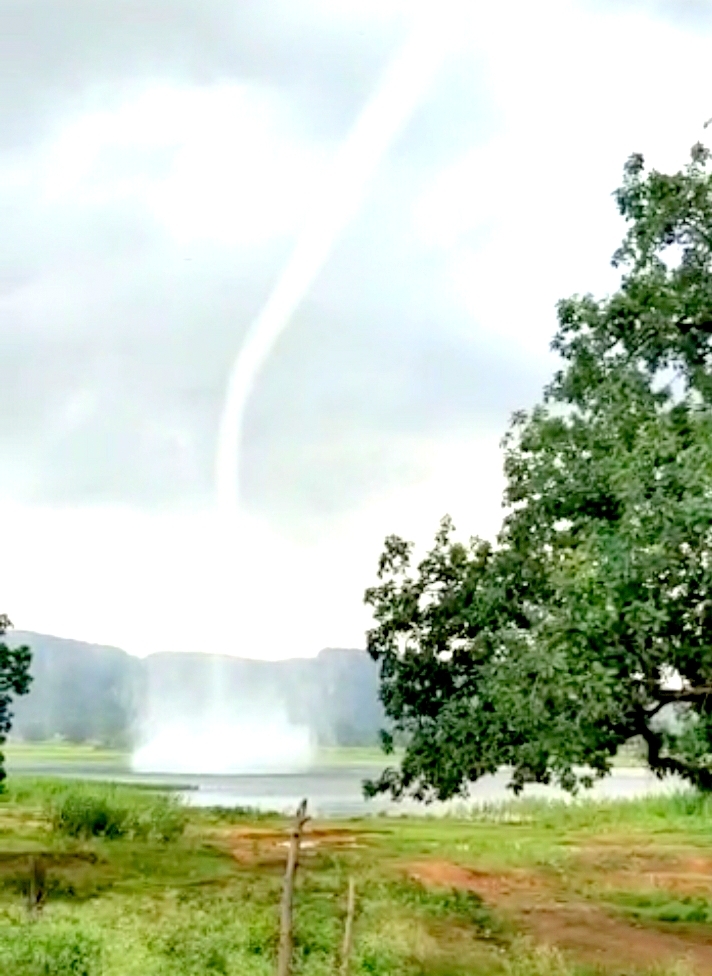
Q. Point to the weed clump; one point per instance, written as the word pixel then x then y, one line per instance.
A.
pixel 465 906
pixel 85 811
pixel 38 950
pixel 209 937
pixel 663 906
pixel 527 960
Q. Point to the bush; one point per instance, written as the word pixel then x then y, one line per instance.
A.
pixel 81 814
pixel 112 812
pixel 31 949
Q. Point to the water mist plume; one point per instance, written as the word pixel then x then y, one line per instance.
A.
pixel 218 717
pixel 266 743
pixel 402 88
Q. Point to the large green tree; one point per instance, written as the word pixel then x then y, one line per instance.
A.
pixel 14 680
pixel 589 622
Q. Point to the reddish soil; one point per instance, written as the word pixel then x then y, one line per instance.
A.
pixel 636 870
pixel 490 887
pixel 268 846
pixel 581 929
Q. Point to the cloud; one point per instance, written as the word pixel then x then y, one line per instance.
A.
pixel 181 580
pixel 56 56
pixel 209 164
pixel 155 161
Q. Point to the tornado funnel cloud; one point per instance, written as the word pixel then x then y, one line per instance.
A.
pixel 402 89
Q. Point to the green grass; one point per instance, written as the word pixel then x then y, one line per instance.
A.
pixel 48 950
pixel 86 811
pixel 24 756
pixel 353 756
pixel 661 906
pixel 124 898
pixel 45 753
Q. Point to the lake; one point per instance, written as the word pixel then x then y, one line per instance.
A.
pixel 331 790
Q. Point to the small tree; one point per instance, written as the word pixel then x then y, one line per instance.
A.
pixel 14 680
pixel 590 621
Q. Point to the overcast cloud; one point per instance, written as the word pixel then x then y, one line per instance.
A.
pixel 156 163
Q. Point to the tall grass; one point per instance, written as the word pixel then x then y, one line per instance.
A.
pixel 524 959
pixel 48 950
pixel 88 810
pixel 685 809
pixel 84 809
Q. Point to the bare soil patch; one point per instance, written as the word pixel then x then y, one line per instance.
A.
pixel 676 871
pixel 490 887
pixel 581 929
pixel 257 846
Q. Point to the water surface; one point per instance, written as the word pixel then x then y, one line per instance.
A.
pixel 331 790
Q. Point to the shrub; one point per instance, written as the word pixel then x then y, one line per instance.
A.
pixel 112 812
pixel 83 814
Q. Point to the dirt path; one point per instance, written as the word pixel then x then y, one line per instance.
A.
pixel 580 928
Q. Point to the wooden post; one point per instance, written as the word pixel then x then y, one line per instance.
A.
pixel 348 928
pixel 38 874
pixel 32 895
pixel 284 959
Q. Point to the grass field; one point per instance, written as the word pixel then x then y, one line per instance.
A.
pixel 26 755
pixel 134 884
pixel 40 753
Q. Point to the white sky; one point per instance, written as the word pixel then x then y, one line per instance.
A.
pixel 148 216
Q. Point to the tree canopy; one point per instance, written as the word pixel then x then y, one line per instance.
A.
pixel 589 621
pixel 14 680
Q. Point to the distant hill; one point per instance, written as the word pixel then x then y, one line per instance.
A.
pixel 90 692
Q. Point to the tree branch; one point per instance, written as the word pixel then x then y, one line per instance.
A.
pixel 687 327
pixel 699 776
pixel 666 696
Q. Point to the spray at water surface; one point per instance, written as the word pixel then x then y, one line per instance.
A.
pixel 214 715
pixel 251 742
